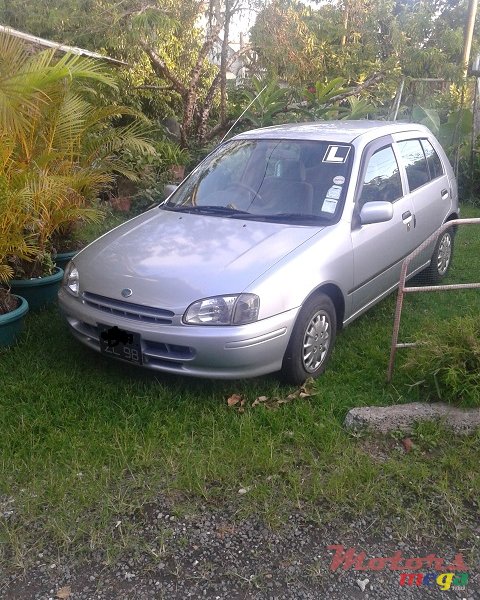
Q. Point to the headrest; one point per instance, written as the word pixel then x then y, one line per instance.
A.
pixel 287 168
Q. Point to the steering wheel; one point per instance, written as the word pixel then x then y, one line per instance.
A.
pixel 250 190
pixel 219 197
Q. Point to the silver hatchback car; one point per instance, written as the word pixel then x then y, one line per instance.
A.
pixel 279 238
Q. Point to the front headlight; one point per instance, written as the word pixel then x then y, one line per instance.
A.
pixel 71 279
pixel 238 309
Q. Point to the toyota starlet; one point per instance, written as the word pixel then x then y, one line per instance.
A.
pixel 278 239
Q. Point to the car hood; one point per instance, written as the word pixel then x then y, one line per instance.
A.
pixel 170 259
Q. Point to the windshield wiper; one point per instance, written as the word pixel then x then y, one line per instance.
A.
pixel 289 217
pixel 208 210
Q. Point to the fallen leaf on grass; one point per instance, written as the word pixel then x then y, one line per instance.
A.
pixel 234 399
pixel 64 592
pixel 305 391
pixel 259 400
pixel 237 402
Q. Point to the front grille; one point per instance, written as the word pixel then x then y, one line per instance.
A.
pixel 155 354
pixel 128 310
pixel 159 350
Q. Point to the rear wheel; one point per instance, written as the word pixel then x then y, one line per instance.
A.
pixel 311 342
pixel 441 258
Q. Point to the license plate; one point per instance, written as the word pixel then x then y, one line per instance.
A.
pixel 120 344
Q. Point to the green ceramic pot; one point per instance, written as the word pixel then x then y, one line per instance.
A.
pixel 40 291
pixel 63 258
pixel 11 324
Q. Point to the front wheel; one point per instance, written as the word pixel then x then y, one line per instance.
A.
pixel 311 342
pixel 441 258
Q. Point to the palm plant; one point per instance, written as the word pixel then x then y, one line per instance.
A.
pixel 266 102
pixel 63 148
pixel 14 218
pixel 323 101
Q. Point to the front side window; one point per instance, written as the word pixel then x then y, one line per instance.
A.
pixel 273 180
pixel 415 163
pixel 382 179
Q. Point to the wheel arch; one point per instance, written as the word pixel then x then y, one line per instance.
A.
pixel 451 217
pixel 336 296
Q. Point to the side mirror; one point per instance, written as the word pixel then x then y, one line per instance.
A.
pixel 376 212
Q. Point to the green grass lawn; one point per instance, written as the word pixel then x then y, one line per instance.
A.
pixel 85 441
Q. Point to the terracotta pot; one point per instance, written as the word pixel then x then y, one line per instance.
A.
pixel 122 203
pixel 177 172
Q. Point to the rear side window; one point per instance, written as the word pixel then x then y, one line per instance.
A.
pixel 433 160
pixel 382 178
pixel 415 163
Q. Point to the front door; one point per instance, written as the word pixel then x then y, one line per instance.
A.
pixel 379 248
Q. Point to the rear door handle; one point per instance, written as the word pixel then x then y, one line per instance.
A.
pixel 444 194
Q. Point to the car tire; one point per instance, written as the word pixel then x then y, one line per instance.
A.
pixel 441 258
pixel 311 342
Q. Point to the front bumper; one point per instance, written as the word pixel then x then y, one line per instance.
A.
pixel 202 351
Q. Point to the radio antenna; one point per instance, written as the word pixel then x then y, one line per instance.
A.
pixel 257 96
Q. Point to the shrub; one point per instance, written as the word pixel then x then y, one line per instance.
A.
pixel 59 150
pixel 448 361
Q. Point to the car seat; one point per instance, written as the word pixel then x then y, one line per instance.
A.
pixel 286 191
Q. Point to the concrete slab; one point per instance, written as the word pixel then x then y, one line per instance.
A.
pixel 402 417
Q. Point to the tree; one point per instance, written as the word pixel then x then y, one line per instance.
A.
pixel 166 43
pixel 287 46
pixel 354 39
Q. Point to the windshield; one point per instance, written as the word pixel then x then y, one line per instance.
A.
pixel 274 180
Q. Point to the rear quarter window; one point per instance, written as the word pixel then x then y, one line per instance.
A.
pixel 433 160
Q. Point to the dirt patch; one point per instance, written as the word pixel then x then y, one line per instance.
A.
pixel 8 302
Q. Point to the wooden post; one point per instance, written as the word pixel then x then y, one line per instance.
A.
pixel 472 13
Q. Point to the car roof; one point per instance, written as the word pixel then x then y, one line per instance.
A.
pixel 334 131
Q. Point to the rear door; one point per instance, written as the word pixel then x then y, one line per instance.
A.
pixel 379 248
pixel 428 188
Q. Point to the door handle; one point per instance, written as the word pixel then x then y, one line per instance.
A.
pixel 406 215
pixel 444 194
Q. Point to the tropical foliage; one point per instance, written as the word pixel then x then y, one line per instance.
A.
pixel 169 47
pixel 58 151
pixel 350 55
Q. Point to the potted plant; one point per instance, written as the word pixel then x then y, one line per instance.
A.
pixel 174 158
pixel 66 242
pixel 63 150
pixel 13 218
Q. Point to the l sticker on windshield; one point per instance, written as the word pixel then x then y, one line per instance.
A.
pixel 336 154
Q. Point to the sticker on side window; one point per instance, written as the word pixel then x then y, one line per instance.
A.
pixel 336 154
